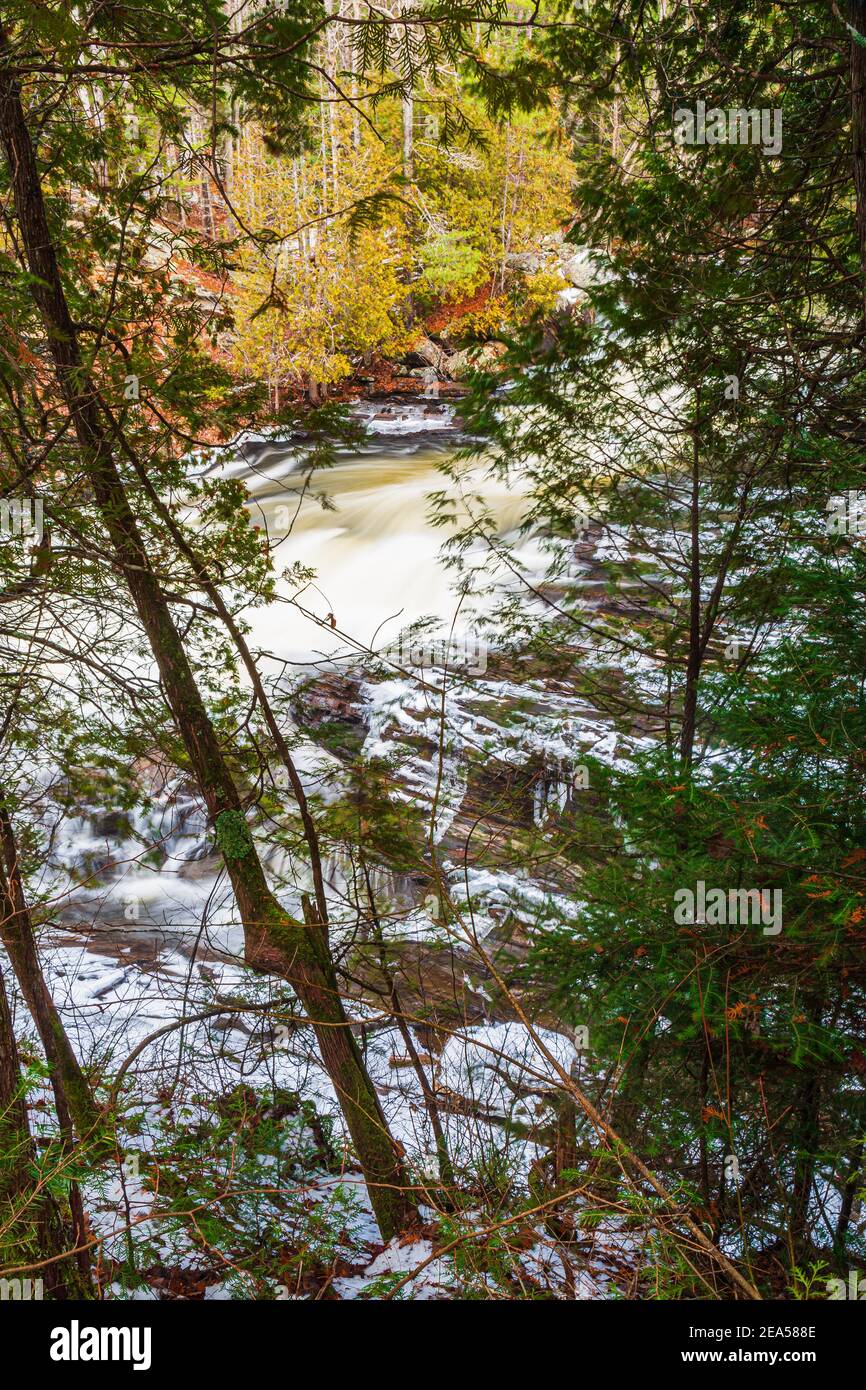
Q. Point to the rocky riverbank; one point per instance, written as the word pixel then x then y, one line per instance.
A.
pixel 444 352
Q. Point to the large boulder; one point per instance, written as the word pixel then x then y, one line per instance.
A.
pixel 426 353
pixel 570 303
pixel 555 255
pixel 527 262
pixel 578 267
pixel 481 357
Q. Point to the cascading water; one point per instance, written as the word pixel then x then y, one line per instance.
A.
pixel 377 559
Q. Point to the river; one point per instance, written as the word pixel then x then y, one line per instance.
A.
pixel 363 525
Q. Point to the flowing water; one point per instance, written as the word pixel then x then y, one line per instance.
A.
pixel 376 555
pixel 151 937
pixel 364 526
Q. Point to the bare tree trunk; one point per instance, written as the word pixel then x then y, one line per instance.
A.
pixel 446 1168
pixel 356 119
pixel 503 212
pixel 274 941
pixel 852 1184
pixel 614 134
pixel 408 112
pixel 323 159
pixel 408 105
pixel 807 1140
pixel 207 215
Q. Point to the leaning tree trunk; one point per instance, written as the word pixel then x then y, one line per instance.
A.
pixel 72 1094
pixel 273 939
pixel 34 1241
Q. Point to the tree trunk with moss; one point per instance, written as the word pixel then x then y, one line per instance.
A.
pixel 274 941
pixel 33 1236
pixel 73 1097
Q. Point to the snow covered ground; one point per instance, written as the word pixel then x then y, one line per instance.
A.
pixel 149 937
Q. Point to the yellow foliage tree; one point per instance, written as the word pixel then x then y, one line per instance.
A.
pixel 319 290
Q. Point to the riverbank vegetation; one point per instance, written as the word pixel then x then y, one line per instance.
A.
pixel 431 822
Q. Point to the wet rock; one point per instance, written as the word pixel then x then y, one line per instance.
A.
pixel 330 696
pixel 480 358
pixel 113 825
pixel 579 270
pixel 329 708
pixel 573 304
pixel 526 262
pixel 425 353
